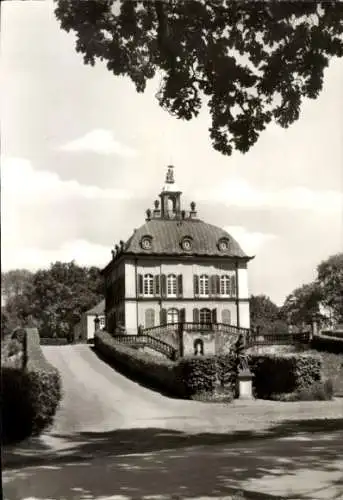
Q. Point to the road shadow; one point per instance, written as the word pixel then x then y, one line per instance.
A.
pixel 137 463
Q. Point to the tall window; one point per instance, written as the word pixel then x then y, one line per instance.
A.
pixel 225 288
pixel 148 284
pixel 172 316
pixel 205 316
pixel 203 285
pixel 226 316
pixel 171 284
pixel 149 318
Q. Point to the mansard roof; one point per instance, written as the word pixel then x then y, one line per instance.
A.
pixel 167 236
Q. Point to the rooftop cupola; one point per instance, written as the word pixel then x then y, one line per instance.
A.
pixel 170 197
pixel 169 208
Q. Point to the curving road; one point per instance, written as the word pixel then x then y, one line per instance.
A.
pixel 114 439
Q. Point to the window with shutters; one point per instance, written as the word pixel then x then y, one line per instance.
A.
pixel 225 285
pixel 148 284
pixel 149 318
pixel 226 316
pixel 205 316
pixel 171 285
pixel 203 285
pixel 172 316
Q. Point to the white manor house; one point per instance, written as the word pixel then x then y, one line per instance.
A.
pixel 176 268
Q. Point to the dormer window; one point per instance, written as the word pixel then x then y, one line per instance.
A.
pixel 146 242
pixel 187 243
pixel 223 244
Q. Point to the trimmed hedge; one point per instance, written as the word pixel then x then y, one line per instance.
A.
pixel 185 378
pixel 327 343
pixel 198 374
pixel 283 373
pixel 158 372
pixel 195 375
pixel 30 396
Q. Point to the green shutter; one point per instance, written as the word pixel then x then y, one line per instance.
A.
pixel 196 316
pixel 214 315
pixel 196 284
pixel 140 284
pixel 182 315
pixel 179 286
pixel 163 285
pixel 157 289
pixel 217 285
pixel 163 317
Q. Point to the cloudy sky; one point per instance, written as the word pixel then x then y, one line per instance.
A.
pixel 83 156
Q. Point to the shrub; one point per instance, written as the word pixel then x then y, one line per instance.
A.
pixel 198 374
pixel 30 396
pixel 156 371
pixel 227 371
pixel 328 344
pixel 283 373
pixel 318 391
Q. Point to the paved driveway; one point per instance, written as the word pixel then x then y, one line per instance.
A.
pixel 113 438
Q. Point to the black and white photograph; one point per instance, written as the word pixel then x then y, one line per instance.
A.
pixel 171 249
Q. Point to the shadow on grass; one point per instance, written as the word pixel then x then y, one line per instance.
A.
pixel 135 463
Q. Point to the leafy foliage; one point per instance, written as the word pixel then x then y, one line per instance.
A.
pixel 330 280
pixel 30 397
pixel 283 373
pixel 302 305
pixel 55 298
pixel 265 315
pixel 16 286
pixel 251 62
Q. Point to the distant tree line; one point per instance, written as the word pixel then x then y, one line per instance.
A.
pixel 52 300
pixel 322 299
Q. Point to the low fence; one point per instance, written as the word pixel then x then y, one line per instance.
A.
pixel 278 339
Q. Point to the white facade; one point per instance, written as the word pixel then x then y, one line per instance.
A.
pixel 176 268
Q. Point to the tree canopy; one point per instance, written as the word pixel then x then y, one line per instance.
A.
pixel 302 305
pixel 55 299
pixel 305 302
pixel 265 315
pixel 252 63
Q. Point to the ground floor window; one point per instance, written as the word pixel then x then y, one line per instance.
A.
pixel 149 318
pixel 172 316
pixel 226 317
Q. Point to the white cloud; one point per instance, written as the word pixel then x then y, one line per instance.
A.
pixel 22 185
pixel 238 192
pixel 99 141
pixel 83 252
pixel 250 241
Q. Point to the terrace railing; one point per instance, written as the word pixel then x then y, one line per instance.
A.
pixel 255 339
pixel 148 341
pixel 195 327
